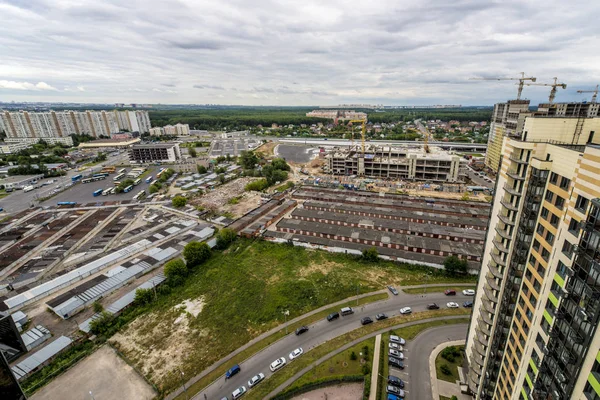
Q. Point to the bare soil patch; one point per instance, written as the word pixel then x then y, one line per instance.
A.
pixel 351 391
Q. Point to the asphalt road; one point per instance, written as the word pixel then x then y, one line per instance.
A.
pixel 319 333
pixel 417 354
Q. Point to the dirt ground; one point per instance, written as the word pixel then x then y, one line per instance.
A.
pixel 217 200
pixel 104 374
pixel 351 391
pixel 267 149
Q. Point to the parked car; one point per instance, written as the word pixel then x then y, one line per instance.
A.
pixel 395 346
pixel 396 354
pixel 394 380
pixel 256 379
pixel 433 306
pixel 397 339
pixel 452 305
pixel 332 316
pixel 296 353
pixel 366 321
pixel 450 292
pixel 301 330
pixel 406 310
pixel 469 292
pixel 381 316
pixel 237 393
pixel 393 290
pixel 232 371
pixel 468 304
pixel 393 397
pixel 394 362
pixel 347 311
pixel 275 365
pixel 394 390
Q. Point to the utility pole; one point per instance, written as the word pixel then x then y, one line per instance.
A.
pixel 357 291
pixel 285 314
pixel 183 383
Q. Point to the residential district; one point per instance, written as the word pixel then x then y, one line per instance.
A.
pixel 141 262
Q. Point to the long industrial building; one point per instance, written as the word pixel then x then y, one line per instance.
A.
pixel 395 162
pixel 58 124
pixel 534 330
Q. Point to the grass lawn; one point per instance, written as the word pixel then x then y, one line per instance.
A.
pixel 262 390
pixel 458 361
pixel 244 291
pixel 341 364
pixel 438 289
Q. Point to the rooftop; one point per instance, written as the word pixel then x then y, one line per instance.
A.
pixel 154 145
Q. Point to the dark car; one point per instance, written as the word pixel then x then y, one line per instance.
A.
pixel 433 306
pixel 394 380
pixel 393 290
pixel 332 316
pixel 301 330
pixel 468 304
pixel 450 292
pixel 366 321
pixel 394 362
pixel 232 371
pixel 380 317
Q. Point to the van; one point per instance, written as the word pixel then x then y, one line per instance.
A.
pixel 347 311
pixel 232 371
pixel 28 189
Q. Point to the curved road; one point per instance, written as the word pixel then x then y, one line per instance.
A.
pixel 417 357
pixel 319 333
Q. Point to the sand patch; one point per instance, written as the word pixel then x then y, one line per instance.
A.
pixel 323 267
pixel 193 307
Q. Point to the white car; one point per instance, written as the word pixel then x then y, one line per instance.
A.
pixel 237 393
pixel 395 346
pixel 296 353
pixel 452 305
pixel 469 292
pixel 406 310
pixel 256 379
pixel 397 339
pixel 275 365
pixel 396 354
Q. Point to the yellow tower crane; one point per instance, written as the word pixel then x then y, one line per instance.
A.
pixel 521 80
pixel 553 85
pixel 594 97
pixel 362 133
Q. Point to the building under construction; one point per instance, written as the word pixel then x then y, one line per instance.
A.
pixel 395 162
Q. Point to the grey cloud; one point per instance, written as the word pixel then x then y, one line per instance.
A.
pixel 214 87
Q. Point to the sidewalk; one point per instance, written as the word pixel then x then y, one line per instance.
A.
pixel 438 386
pixel 375 369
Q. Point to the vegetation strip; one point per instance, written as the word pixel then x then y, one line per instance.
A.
pixel 274 384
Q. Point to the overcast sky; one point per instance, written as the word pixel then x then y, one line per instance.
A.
pixel 297 52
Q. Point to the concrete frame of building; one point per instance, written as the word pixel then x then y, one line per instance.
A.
pixel 527 337
pixel 158 152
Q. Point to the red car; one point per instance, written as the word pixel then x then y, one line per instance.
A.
pixel 450 292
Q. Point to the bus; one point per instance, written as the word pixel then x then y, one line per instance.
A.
pixel 128 189
pixel 153 182
pixel 149 179
pixel 66 203
pixel 98 192
pixel 122 171
pixel 76 178
pixel 93 179
pixel 137 182
pixel 140 195
pixel 117 183
pixel 121 175
pixel 108 170
pixel 104 174
pixel 160 173
pixel 106 192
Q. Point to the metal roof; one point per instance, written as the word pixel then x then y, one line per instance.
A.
pixel 38 358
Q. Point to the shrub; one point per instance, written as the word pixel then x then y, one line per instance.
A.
pixel 196 253
pixel 366 370
pixel 445 369
pixel 143 296
pixel 370 254
pixel 365 350
pixel 101 324
pixel 175 271
pixel 225 237
pixel 454 265
pixel 98 307
pixel 353 356
pixel 201 169
pixel 179 201
pixel 257 186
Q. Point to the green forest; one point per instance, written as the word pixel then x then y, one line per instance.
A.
pixel 234 118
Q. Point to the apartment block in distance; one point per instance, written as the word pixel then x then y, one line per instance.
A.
pixel 171 130
pixel 534 329
pixel 395 162
pixel 61 124
pixel 151 153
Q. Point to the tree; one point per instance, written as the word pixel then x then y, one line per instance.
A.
pixel 370 254
pixel 454 265
pixel 280 163
pixel 195 253
pixel 201 169
pixel 257 186
pixel 221 178
pixel 101 324
pixel 192 152
pixel 143 296
pixel 248 159
pixel 179 201
pixel 97 307
pixel 153 188
pixel 225 237
pixel 176 271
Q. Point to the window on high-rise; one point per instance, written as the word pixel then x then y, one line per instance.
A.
pixel 553 178
pixel 549 196
pixel 567 249
pixel 574 226
pixel 550 237
pixel 564 183
pixel 540 229
pixel 544 213
pixel 581 203
pixel 559 202
pixel 554 220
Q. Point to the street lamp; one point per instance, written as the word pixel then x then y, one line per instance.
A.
pixel 183 383
pixel 425 287
pixel 285 314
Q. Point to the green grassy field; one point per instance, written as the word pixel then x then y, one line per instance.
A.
pixel 453 365
pixel 244 292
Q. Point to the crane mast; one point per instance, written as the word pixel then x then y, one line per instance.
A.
pixel 554 86
pixel 521 80
pixel 595 95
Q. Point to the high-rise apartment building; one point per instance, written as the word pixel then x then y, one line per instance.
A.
pixel 534 330
pixel 25 124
